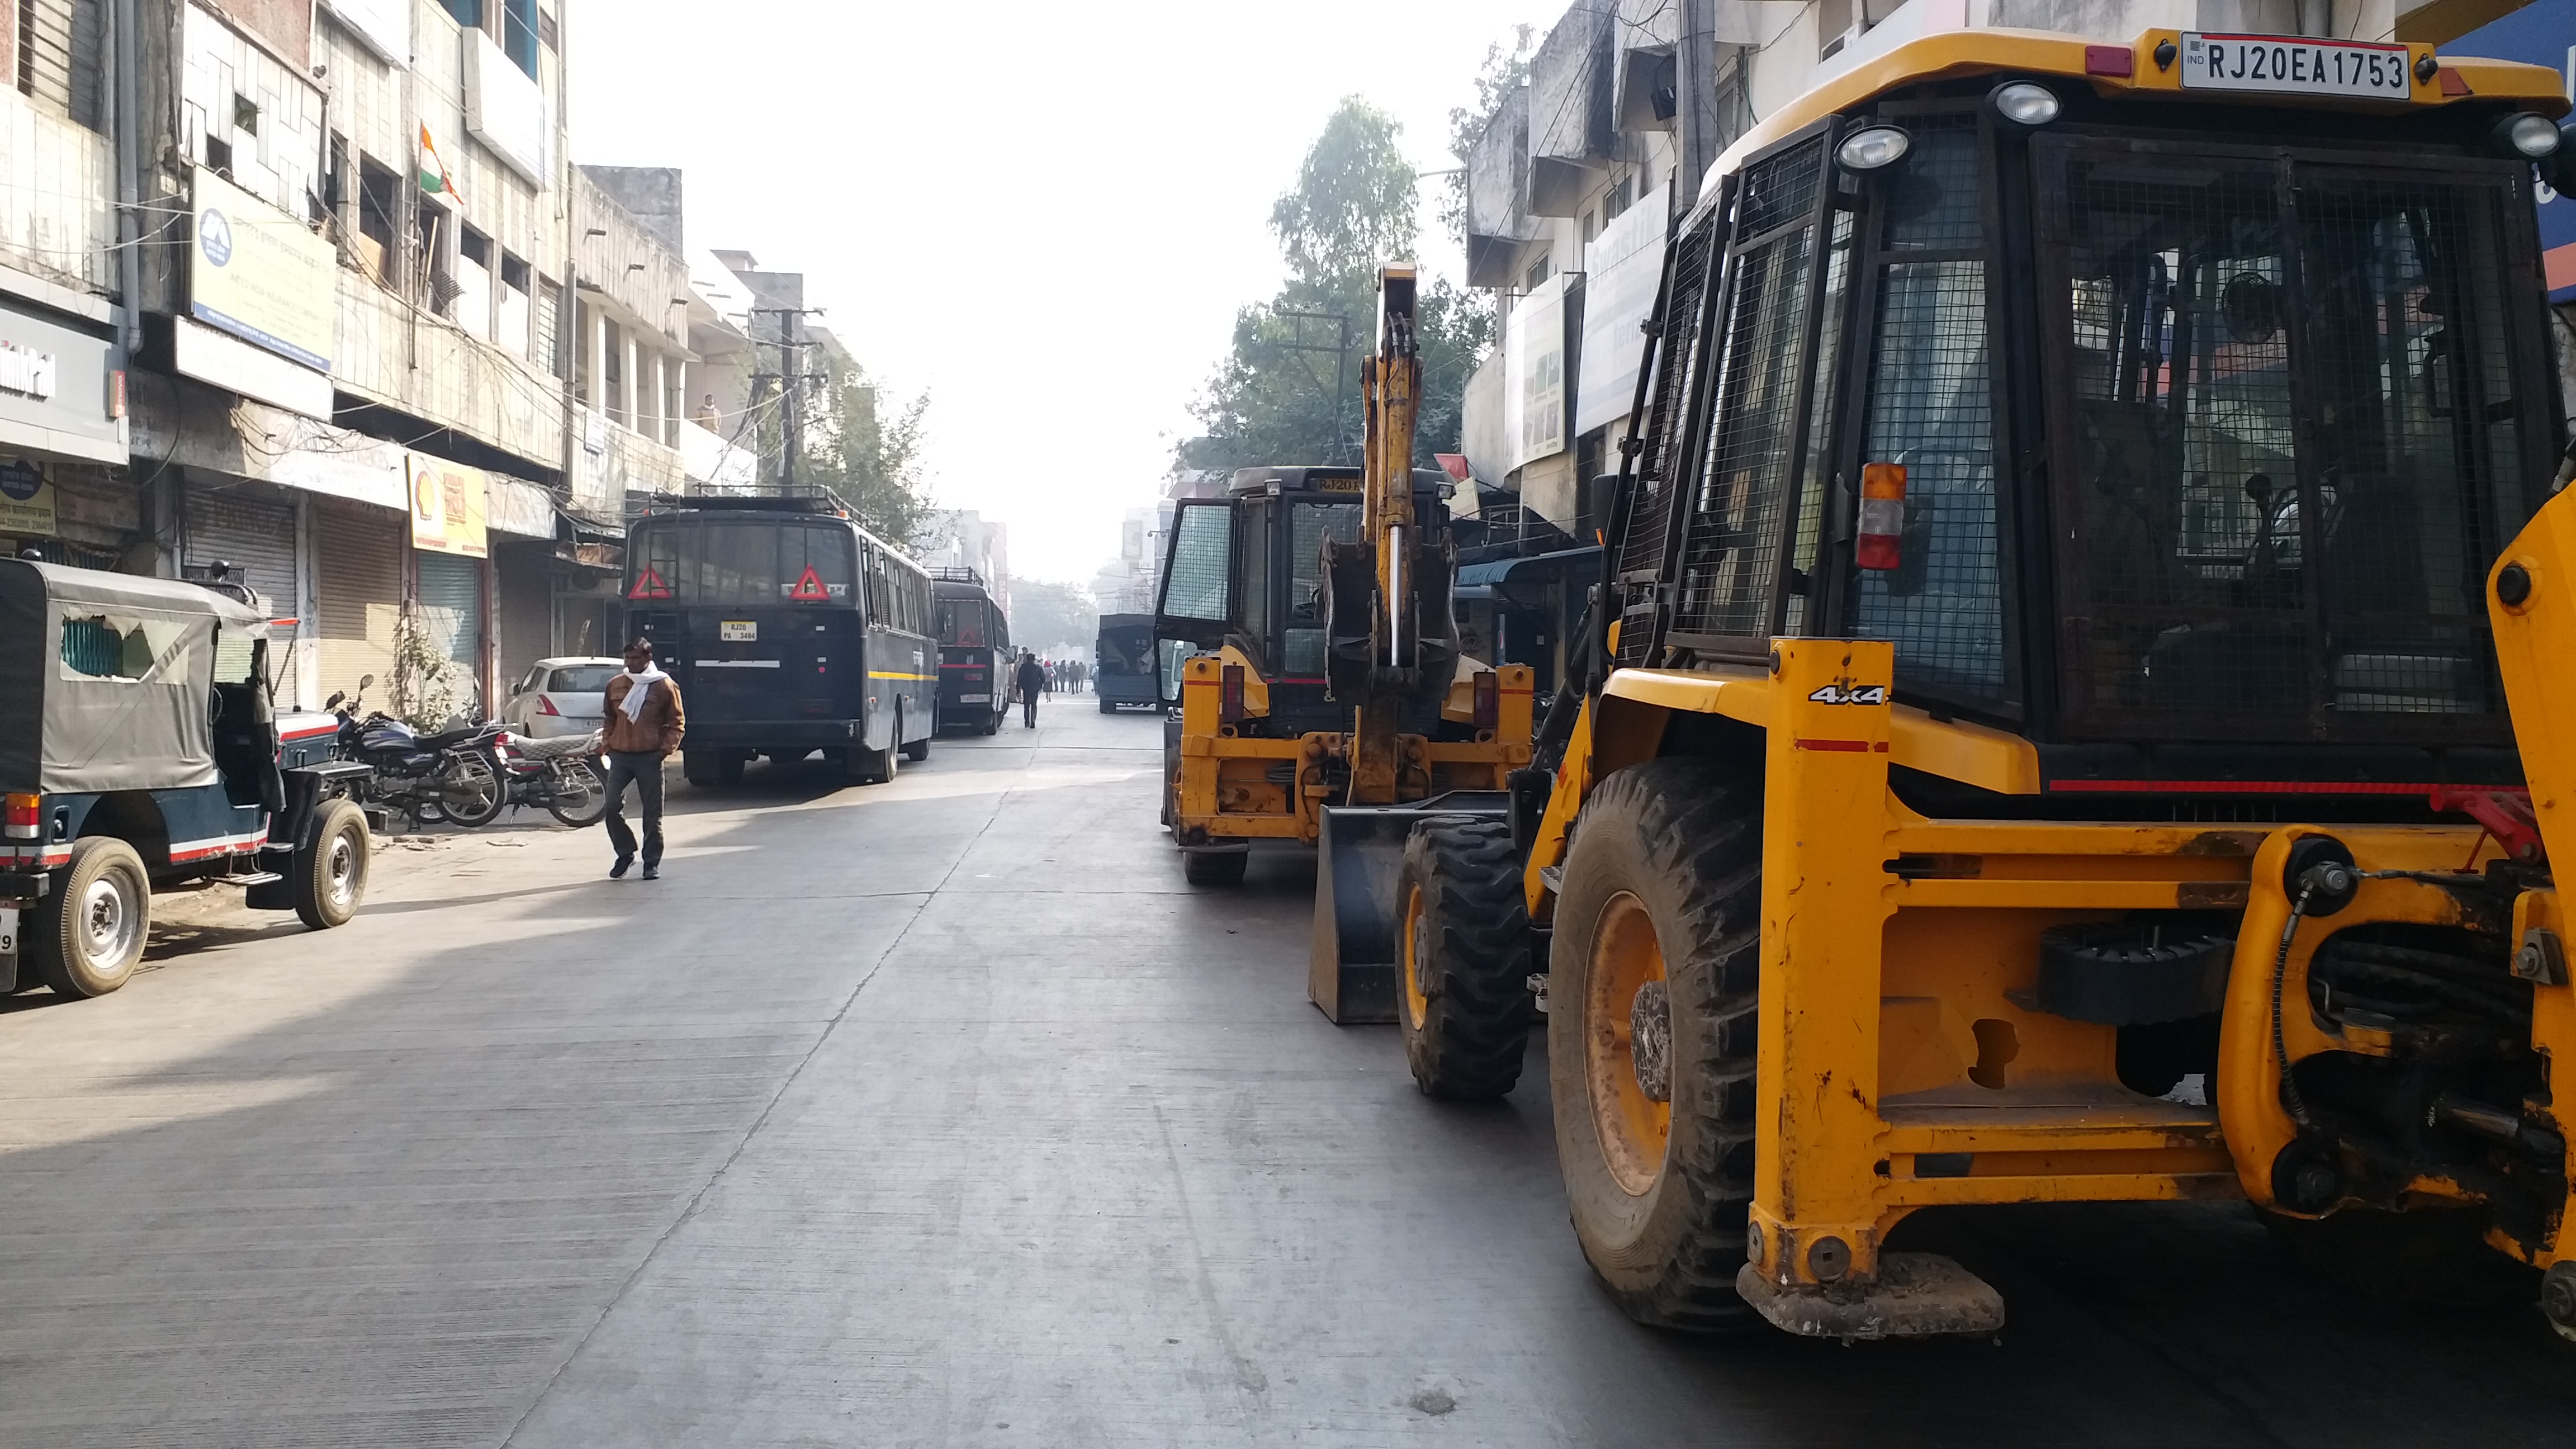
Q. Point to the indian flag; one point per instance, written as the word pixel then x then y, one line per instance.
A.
pixel 434 178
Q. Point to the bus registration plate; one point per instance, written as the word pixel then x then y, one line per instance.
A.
pixel 8 930
pixel 974 699
pixel 738 631
pixel 2280 63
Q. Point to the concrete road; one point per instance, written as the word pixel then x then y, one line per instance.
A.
pixel 944 1113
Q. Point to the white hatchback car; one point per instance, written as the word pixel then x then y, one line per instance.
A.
pixel 559 697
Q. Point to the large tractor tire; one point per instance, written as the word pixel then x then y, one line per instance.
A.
pixel 1653 983
pixel 1214 867
pixel 1463 938
pixel 89 934
pixel 329 878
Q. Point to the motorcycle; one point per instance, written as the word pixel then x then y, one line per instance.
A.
pixel 559 774
pixel 452 776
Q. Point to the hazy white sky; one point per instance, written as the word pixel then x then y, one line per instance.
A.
pixel 1044 214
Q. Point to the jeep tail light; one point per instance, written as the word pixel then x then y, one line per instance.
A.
pixel 25 817
pixel 546 705
pixel 1882 515
pixel 1489 699
pixel 1230 695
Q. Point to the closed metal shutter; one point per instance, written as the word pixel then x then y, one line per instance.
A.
pixel 358 595
pixel 256 538
pixel 253 535
pixel 451 606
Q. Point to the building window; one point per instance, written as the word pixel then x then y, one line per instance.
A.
pixel 546 341
pixel 467 12
pixel 429 247
pixel 512 330
pixel 474 282
pixel 1537 275
pixel 245 115
pixel 1621 197
pixel 59 47
pixel 379 207
pixel 519 34
pixel 1591 227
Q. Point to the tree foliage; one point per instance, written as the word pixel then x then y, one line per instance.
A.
pixel 867 454
pixel 1052 619
pixel 1288 390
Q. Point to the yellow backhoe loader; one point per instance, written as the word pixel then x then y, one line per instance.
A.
pixel 2084 693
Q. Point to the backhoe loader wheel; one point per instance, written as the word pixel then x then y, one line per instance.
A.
pixel 1653 978
pixel 1463 942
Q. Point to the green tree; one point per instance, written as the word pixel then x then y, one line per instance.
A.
pixel 1288 390
pixel 870 456
pixel 1050 618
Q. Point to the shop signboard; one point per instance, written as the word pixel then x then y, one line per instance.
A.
pixel 448 505
pixel 59 392
pixel 1537 401
pixel 261 275
pixel 26 499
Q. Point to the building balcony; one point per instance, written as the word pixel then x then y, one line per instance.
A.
pixel 714 463
pixel 394 353
pixel 615 460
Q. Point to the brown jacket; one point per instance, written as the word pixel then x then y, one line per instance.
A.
pixel 655 731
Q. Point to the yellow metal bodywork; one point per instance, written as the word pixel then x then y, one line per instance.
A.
pixel 1961 53
pixel 1899 1065
pixel 1225 792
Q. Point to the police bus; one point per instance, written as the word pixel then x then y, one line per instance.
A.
pixel 788 628
pixel 974 652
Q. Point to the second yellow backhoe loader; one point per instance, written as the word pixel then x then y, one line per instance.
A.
pixel 2085 700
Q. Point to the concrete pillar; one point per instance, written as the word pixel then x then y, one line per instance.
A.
pixel 627 383
pixel 596 339
pixel 662 430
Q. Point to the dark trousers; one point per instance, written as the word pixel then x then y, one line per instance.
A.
pixel 645 770
pixel 1029 708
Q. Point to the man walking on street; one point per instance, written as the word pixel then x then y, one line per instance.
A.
pixel 644 724
pixel 1033 679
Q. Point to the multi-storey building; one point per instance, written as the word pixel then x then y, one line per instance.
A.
pixel 307 293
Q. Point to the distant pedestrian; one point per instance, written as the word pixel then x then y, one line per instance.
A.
pixel 1033 680
pixel 707 416
pixel 644 725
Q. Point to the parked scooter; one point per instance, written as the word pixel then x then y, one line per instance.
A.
pixel 558 774
pixel 452 776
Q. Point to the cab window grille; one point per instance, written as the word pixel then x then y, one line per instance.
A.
pixel 1739 503
pixel 1678 356
pixel 1929 405
pixel 2297 437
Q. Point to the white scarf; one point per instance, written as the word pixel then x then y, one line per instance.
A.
pixel 633 703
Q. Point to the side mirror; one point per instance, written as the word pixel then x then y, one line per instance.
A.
pixel 366 681
pixel 334 701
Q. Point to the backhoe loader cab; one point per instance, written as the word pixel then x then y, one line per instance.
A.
pixel 2083 708
pixel 1262 740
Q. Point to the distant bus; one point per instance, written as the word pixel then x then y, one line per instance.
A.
pixel 974 653
pixel 1122 669
pixel 789 629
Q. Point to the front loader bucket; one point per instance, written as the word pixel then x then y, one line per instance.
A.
pixel 1351 976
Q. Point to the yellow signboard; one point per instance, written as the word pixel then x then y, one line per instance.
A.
pixel 448 506
pixel 261 275
pixel 26 499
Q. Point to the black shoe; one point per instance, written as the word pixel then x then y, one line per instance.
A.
pixel 618 871
pixel 652 872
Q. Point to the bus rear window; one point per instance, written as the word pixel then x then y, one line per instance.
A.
pixel 966 624
pixel 741 561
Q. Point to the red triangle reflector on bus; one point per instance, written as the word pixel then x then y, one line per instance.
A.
pixel 649 585
pixel 809 589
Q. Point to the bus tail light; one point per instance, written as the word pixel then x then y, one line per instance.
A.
pixel 1882 515
pixel 1230 695
pixel 25 816
pixel 1489 699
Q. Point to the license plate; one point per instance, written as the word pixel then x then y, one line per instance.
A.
pixel 2280 63
pixel 8 930
pixel 974 699
pixel 738 631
